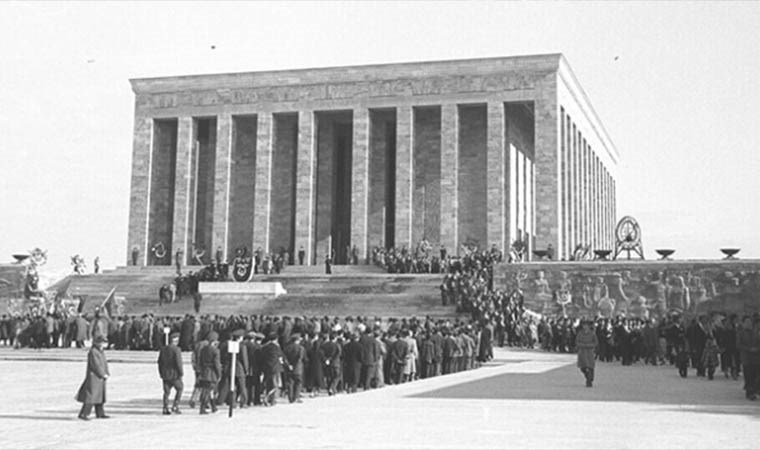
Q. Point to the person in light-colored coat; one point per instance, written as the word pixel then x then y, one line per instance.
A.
pixel 410 368
pixel 93 389
pixel 586 343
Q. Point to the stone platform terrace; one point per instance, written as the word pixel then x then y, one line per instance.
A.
pixel 350 291
pixel 524 399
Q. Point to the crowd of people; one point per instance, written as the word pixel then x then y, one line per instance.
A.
pixel 284 357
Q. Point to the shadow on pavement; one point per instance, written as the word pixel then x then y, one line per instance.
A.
pixel 38 417
pixel 137 406
pixel 613 383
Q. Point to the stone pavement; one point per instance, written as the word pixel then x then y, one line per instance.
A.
pixel 523 399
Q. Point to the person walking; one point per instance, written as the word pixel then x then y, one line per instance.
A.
pixel 586 343
pixel 93 389
pixel 170 370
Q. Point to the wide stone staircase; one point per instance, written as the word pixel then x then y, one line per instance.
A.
pixel 348 291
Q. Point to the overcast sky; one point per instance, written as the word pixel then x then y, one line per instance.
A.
pixel 675 84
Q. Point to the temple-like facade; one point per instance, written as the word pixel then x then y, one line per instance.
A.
pixel 479 151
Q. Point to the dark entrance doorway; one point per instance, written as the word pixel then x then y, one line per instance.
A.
pixel 334 166
pixel 341 217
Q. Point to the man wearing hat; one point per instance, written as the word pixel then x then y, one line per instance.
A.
pixel 170 370
pixel 295 356
pixel 210 371
pixel 271 367
pixel 586 342
pixel 241 369
pixel 251 345
pixel 93 389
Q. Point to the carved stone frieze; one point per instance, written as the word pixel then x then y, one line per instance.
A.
pixel 640 290
pixel 340 91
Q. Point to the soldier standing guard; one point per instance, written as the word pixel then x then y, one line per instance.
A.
pixel 178 261
pixel 170 370
pixel 301 255
pixel 93 389
pixel 135 255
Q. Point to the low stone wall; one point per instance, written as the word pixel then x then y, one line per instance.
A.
pixel 634 288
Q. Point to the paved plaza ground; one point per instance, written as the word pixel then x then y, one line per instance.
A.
pixel 522 399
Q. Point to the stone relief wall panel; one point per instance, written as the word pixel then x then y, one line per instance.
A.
pixel 640 290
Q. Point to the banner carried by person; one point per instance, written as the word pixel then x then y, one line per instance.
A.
pixel 108 304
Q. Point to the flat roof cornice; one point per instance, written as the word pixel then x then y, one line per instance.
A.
pixel 373 72
pixel 567 75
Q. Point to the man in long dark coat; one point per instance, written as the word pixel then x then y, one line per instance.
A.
pixel 241 369
pixel 80 326
pixel 331 352
pixel 295 356
pixel 210 371
pixel 696 335
pixel 397 354
pixel 315 373
pixel 195 360
pixel 93 389
pixel 170 370
pixel 486 352
pixel 370 356
pixel 353 360
pixel 252 346
pixel 271 365
pixel 186 333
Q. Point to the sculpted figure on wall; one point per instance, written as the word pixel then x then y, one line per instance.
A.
pixel 636 292
pixel 678 296
pixel 604 304
pixel 542 292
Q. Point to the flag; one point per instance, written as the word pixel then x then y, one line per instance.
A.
pixel 109 303
pixel 62 291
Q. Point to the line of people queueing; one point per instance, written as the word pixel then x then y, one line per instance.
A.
pixel 280 358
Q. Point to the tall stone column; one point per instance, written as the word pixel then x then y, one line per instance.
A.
pixel 584 161
pixel 598 203
pixel 512 195
pixel 577 180
pixel 404 177
pixel 547 195
pixel 360 182
pixel 496 176
pixel 222 185
pixel 139 204
pixel 182 187
pixel 450 178
pixel 571 189
pixel 592 197
pixel 590 209
pixel 262 202
pixel 606 212
pixel 306 180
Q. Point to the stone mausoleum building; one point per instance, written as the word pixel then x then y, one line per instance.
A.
pixel 478 151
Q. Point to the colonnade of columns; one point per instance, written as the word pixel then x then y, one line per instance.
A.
pixel 507 200
pixel 588 193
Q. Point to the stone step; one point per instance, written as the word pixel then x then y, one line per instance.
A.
pixel 342 294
